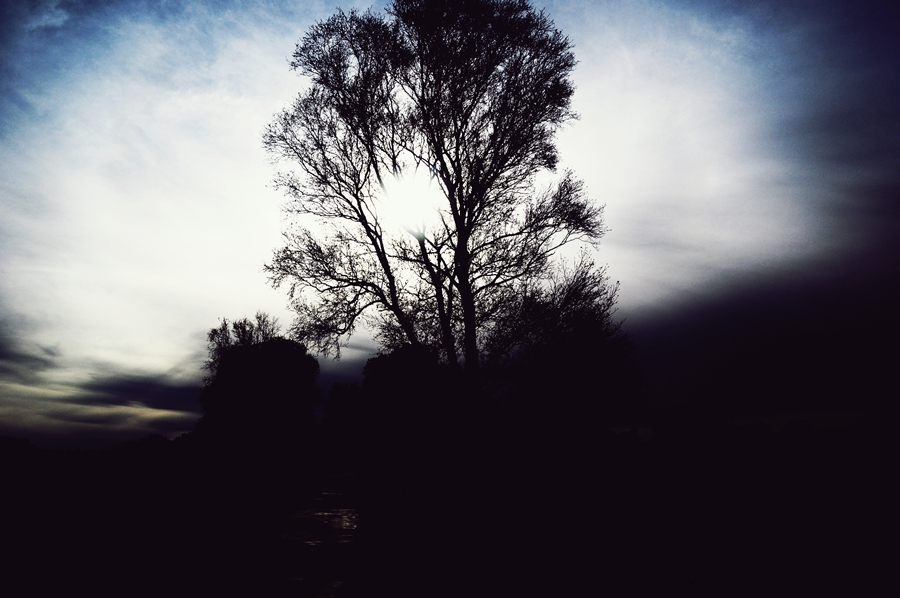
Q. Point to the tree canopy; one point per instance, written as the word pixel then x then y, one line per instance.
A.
pixel 470 92
pixel 261 386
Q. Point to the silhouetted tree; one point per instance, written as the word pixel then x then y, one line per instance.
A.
pixel 261 389
pixel 470 91
pixel 240 333
pixel 558 350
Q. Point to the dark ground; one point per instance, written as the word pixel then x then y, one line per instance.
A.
pixel 700 506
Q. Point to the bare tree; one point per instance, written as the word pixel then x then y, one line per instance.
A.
pixel 470 91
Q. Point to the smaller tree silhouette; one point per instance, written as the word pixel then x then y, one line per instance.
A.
pixel 559 355
pixel 261 389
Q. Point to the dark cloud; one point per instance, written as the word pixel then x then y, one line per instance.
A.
pixel 153 392
pixel 103 418
pixel 817 334
pixel 17 364
pixel 51 351
pixel 92 415
pixel 798 341
pixel 102 413
pixel 834 66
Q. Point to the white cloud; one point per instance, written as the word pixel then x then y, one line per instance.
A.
pixel 137 210
pixel 675 137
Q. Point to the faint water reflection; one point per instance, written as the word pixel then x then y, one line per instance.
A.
pixel 319 544
pixel 318 526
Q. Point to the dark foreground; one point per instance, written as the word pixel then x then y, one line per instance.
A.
pixel 724 508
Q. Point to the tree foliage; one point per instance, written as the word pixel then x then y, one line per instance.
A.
pixel 470 91
pixel 560 347
pixel 240 333
pixel 261 387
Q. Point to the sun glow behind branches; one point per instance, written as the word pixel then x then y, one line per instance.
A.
pixel 411 202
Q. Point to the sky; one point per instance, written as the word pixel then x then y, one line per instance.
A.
pixel 748 155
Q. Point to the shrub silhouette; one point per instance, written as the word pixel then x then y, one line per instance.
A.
pixel 261 394
pixel 560 358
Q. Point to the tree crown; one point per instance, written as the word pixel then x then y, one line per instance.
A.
pixel 472 91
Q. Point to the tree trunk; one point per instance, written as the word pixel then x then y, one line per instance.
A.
pixel 467 298
pixel 444 314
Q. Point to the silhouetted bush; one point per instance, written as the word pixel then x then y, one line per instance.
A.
pixel 560 364
pixel 265 390
pixel 261 391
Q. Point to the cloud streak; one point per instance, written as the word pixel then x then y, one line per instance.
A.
pixel 99 412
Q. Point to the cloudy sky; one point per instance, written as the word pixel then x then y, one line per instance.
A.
pixel 746 156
